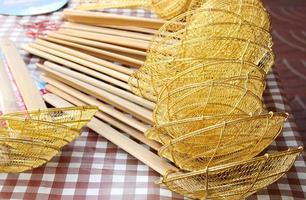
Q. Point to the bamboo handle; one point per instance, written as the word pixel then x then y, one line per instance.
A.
pixel 27 88
pixel 138 151
pixel 144 4
pixel 127 106
pixel 109 31
pixel 97 44
pixel 75 66
pixel 131 28
pixel 132 62
pixel 99 18
pixel 107 87
pixel 91 61
pixel 68 54
pixel 116 40
pixel 106 118
pixel 7 96
pixel 102 107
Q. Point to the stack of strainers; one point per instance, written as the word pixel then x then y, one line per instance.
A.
pixel 225 34
pixel 207 79
pixel 210 111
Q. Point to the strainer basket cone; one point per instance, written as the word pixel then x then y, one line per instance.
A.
pixel 74 117
pixel 251 83
pixel 205 99
pixel 220 4
pixel 166 132
pixel 199 71
pixel 222 71
pixel 168 9
pixel 225 142
pixel 166 41
pixel 232 181
pixel 27 144
pixel 241 29
pixel 229 48
pixel 250 11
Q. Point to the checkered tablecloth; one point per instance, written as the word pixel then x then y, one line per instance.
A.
pixel 93 168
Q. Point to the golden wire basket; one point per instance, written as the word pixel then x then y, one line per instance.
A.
pixel 200 72
pixel 223 142
pixel 240 30
pixel 166 132
pixel 74 117
pixel 205 99
pixel 236 180
pixel 251 11
pixel 27 143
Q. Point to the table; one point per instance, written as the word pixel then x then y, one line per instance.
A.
pixel 93 168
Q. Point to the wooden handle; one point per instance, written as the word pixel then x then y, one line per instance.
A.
pixel 106 118
pixel 75 66
pixel 71 55
pixel 98 54
pixel 107 87
pixel 122 104
pixel 131 28
pixel 99 5
pixel 97 44
pixel 109 31
pixel 7 96
pixel 99 18
pixel 88 60
pixel 102 107
pixel 138 151
pixel 132 62
pixel 117 40
pixel 27 88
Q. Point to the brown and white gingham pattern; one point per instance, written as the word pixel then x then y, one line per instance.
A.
pixel 93 168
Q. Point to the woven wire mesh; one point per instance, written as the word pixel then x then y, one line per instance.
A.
pixel 236 180
pixel 222 71
pixel 166 132
pixel 27 143
pixel 168 9
pixel 251 11
pixel 212 34
pixel 205 71
pixel 74 117
pixel 224 142
pixel 205 99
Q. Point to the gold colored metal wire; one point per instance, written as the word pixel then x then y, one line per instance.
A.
pixel 233 181
pixel 31 138
pixel 74 117
pixel 224 142
pixel 166 132
pixel 251 11
pixel 205 99
pixel 214 70
pixel 26 144
pixel 212 34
